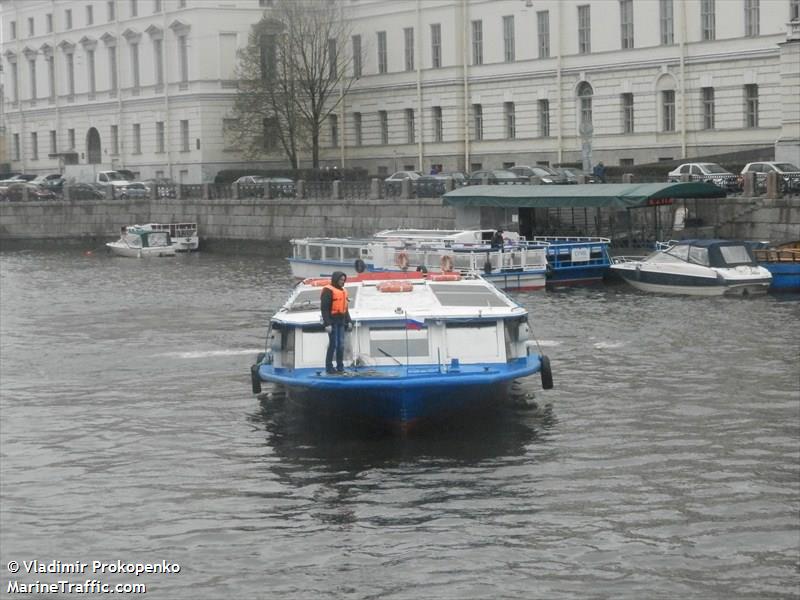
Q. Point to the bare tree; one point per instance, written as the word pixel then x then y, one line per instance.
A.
pixel 293 75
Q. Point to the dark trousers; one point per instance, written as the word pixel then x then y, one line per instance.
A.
pixel 335 344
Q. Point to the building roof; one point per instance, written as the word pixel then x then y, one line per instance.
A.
pixel 619 195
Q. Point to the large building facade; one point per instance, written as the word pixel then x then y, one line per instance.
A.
pixel 148 85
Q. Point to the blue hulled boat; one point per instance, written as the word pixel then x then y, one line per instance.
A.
pixel 783 261
pixel 424 347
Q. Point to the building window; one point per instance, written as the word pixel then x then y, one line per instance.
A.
pixel 383 120
pixel 708 19
pixel 544 118
pixel 584 30
pixel 627 113
pixel 137 138
pixel 12 30
pixel 543 28
pixel 112 12
pixel 31 27
pixel 48 22
pixel 68 19
pixel 89 14
pixel 334 121
pixel 112 67
pixel 626 23
pixel 357 62
pixel 34 146
pixel 32 74
pixel 508 39
pixel 114 140
pixel 794 10
pixel 708 107
pixel 184 136
pixel 53 141
pixel 437 124
pixel 585 93
pixel 134 8
pixel 751 105
pixel 14 82
pixel 751 18
pixel 665 11
pixel 135 65
pixel 408 37
pixel 183 55
pixel 333 59
pixel 159 136
pixel 436 45
pixel 382 52
pixel 70 63
pixel 90 72
pixel 668 110
pixel 158 59
pixel 511 120
pixel 357 128
pixel 477 42
pixel 71 139
pixel 16 147
pixel 182 3
pixel 477 121
pixel 410 128
pixel 51 76
pixel 156 6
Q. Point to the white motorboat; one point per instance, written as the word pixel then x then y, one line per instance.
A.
pixel 696 267
pixel 183 235
pixel 139 242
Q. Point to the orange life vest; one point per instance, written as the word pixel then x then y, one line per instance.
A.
pixel 338 300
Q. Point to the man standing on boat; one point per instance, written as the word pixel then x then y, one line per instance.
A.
pixel 336 319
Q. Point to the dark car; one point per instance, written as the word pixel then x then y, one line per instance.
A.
pixel 84 191
pixel 134 189
pixel 496 177
pixel 15 192
pixel 571 174
pixel 546 175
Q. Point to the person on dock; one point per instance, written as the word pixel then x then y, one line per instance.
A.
pixel 336 319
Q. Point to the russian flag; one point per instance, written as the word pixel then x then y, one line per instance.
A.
pixel 414 324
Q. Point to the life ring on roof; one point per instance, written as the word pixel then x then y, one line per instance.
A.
pixel 447 263
pixel 395 286
pixel 401 260
pixel 444 277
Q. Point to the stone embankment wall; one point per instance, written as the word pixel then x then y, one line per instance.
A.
pixel 270 223
pixel 740 218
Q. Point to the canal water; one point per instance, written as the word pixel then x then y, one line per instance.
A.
pixel 664 464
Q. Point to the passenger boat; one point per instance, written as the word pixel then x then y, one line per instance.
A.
pixel 424 347
pixel 521 265
pixel 183 235
pixel 142 242
pixel 783 262
pixel 696 267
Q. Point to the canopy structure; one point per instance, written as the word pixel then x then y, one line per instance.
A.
pixel 616 195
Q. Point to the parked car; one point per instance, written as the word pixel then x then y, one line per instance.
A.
pixel 495 177
pixel 165 187
pixel 53 182
pixel 127 174
pixel 572 174
pixel 789 175
pixel 84 191
pixel 708 172
pixel 134 190
pixel 18 178
pixel 546 174
pixel 250 180
pixel 15 192
pixel 282 187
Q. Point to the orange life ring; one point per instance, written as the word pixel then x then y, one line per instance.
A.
pixel 401 260
pixel 395 286
pixel 447 263
pixel 444 277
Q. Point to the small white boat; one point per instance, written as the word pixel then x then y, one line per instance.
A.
pixel 696 267
pixel 183 235
pixel 136 242
pixel 425 347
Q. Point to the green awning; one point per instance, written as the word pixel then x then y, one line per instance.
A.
pixel 619 195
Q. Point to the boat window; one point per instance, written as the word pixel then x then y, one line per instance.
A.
pixel 315 252
pixel 351 252
pixel 471 340
pixel 680 251
pixel 134 241
pixel 698 255
pixel 735 255
pixel 465 295
pixel 396 342
pixel 158 239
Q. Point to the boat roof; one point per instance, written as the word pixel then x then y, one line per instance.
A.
pixel 708 243
pixel 470 297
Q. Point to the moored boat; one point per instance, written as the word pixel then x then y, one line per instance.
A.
pixel 424 348
pixel 139 242
pixel 696 267
pixel 183 235
pixel 783 262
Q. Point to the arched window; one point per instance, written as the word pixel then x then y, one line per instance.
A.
pixel 585 93
pixel 93 149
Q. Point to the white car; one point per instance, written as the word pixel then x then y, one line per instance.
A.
pixel 708 172
pixel 788 173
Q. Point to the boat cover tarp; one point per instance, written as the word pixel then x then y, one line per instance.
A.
pixel 617 195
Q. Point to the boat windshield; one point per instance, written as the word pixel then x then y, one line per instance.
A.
pixel 736 255
pixel 158 239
